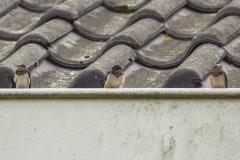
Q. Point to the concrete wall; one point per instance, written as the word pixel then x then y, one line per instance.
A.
pixel 125 124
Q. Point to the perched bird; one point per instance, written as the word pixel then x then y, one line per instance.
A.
pixel 218 77
pixel 22 77
pixel 114 78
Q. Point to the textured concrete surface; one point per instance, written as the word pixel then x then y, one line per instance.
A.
pixel 168 124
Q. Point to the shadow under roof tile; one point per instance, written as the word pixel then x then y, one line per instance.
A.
pixel 158 9
pixel 5 49
pixel 233 8
pixel 49 75
pixel 233 51
pixel 207 5
pixel 124 5
pixel 219 33
pixel 138 34
pixel 196 67
pixel 29 55
pixel 17 22
pixel 187 23
pixel 75 51
pixel 70 9
pixel 163 52
pixel 139 76
pixel 46 34
pixel 101 23
pixel 93 75
pixel 7 5
pixel 39 5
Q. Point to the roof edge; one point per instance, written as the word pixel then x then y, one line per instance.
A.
pixel 127 93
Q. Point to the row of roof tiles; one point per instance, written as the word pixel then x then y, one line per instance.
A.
pixel 172 43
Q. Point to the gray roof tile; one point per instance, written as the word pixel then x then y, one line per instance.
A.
pixel 70 9
pixel 75 51
pixel 163 52
pixel 158 9
pixel 17 22
pixel 233 8
pixel 101 23
pixel 6 6
pixel 187 23
pixel 39 5
pixel 148 28
pixel 124 5
pixel 46 34
pixel 233 48
pixel 208 5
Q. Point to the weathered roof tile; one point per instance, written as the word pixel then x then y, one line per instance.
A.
pixel 232 8
pixel 101 24
pixel 7 5
pixel 233 51
pixel 5 49
pixel 75 51
pixel 158 9
pixel 148 28
pixel 220 33
pixel 70 9
pixel 124 5
pixel 163 52
pixel 17 22
pixel 46 34
pixel 207 5
pixel 39 5
pixel 187 23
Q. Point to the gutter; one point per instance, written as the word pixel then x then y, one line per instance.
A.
pixel 128 93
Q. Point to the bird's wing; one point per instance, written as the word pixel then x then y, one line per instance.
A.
pixel 226 81
pixel 29 79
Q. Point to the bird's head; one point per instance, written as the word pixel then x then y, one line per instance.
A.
pixel 218 68
pixel 21 67
pixel 117 70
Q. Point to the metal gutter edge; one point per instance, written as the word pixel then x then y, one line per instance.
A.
pixel 129 93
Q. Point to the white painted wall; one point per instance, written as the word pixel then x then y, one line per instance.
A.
pixel 166 125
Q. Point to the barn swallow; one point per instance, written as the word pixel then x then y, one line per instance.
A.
pixel 114 78
pixel 218 77
pixel 22 77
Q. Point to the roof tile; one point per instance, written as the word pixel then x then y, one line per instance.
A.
pixel 47 33
pixel 39 5
pixel 233 8
pixel 124 5
pixel 148 28
pixel 6 48
pixel 70 9
pixel 6 6
pixel 158 9
pixel 187 23
pixel 75 51
pixel 220 33
pixel 208 5
pixel 163 52
pixel 233 48
pixel 101 24
pixel 17 22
